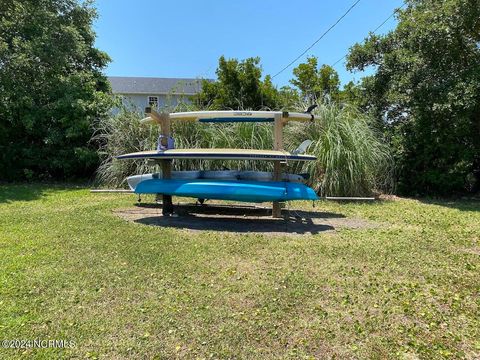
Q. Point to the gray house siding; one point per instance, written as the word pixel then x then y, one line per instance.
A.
pixel 138 102
pixel 135 91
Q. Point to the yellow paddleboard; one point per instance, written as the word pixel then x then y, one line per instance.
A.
pixel 219 154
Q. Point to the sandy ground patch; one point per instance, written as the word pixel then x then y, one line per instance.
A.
pixel 241 219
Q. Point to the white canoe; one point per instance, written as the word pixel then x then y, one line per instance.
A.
pixel 268 176
pixel 220 174
pixel 134 180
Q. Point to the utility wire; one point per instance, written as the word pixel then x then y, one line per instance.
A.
pixel 374 31
pixel 320 38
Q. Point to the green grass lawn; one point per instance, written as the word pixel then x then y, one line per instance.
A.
pixel 71 269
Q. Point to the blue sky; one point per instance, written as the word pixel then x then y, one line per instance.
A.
pixel 185 38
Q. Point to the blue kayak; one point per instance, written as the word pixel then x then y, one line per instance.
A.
pixel 238 190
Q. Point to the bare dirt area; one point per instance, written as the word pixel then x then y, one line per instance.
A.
pixel 241 219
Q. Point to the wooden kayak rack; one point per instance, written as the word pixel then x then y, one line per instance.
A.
pixel 164 121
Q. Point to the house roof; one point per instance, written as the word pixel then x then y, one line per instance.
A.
pixel 153 86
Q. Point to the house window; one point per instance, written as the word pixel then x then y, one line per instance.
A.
pixel 153 101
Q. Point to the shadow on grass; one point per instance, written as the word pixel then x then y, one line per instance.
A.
pixel 238 219
pixel 21 192
pixel 464 204
pixel 11 192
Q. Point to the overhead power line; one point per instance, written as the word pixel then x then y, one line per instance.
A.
pixel 374 31
pixel 320 38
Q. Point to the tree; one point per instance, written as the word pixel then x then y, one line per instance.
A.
pixel 239 86
pixel 427 89
pixel 352 94
pixel 289 98
pixel 316 83
pixel 51 88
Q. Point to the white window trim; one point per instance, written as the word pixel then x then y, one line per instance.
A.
pixel 153 96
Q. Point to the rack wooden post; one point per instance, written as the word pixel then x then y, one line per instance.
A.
pixel 277 165
pixel 163 119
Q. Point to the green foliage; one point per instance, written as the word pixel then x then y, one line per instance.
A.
pixel 239 86
pixel 352 94
pixel 352 159
pixel 289 97
pixel 427 88
pixel 51 87
pixel 316 83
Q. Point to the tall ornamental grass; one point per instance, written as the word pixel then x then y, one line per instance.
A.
pixel 121 134
pixel 352 160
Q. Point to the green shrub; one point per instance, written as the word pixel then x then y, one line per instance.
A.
pixel 51 89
